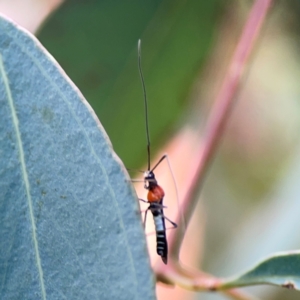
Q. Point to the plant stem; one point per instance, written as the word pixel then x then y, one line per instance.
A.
pixel 220 114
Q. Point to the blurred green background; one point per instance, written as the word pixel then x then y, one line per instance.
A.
pixel 252 192
pixel 96 44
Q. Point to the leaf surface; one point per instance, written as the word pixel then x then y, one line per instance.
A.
pixel 70 226
pixel 282 269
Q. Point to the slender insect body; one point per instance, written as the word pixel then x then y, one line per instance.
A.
pixel 155 192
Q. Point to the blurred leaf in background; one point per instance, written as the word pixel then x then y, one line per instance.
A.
pixel 96 44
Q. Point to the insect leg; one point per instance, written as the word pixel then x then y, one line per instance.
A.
pixel 165 156
pixel 136 180
pixel 173 223
pixel 145 217
pixel 156 204
pixel 143 200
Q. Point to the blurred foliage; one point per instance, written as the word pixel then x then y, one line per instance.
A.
pixel 96 44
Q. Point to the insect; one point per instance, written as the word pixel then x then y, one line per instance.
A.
pixel 156 193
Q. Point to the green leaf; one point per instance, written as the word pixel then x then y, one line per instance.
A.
pixel 70 225
pixel 282 269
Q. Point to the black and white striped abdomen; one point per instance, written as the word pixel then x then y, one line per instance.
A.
pixel 161 240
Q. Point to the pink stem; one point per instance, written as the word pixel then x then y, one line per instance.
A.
pixel 220 112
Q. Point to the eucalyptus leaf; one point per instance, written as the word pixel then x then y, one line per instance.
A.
pixel 70 225
pixel 282 269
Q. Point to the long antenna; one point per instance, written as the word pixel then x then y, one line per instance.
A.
pixel 145 101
